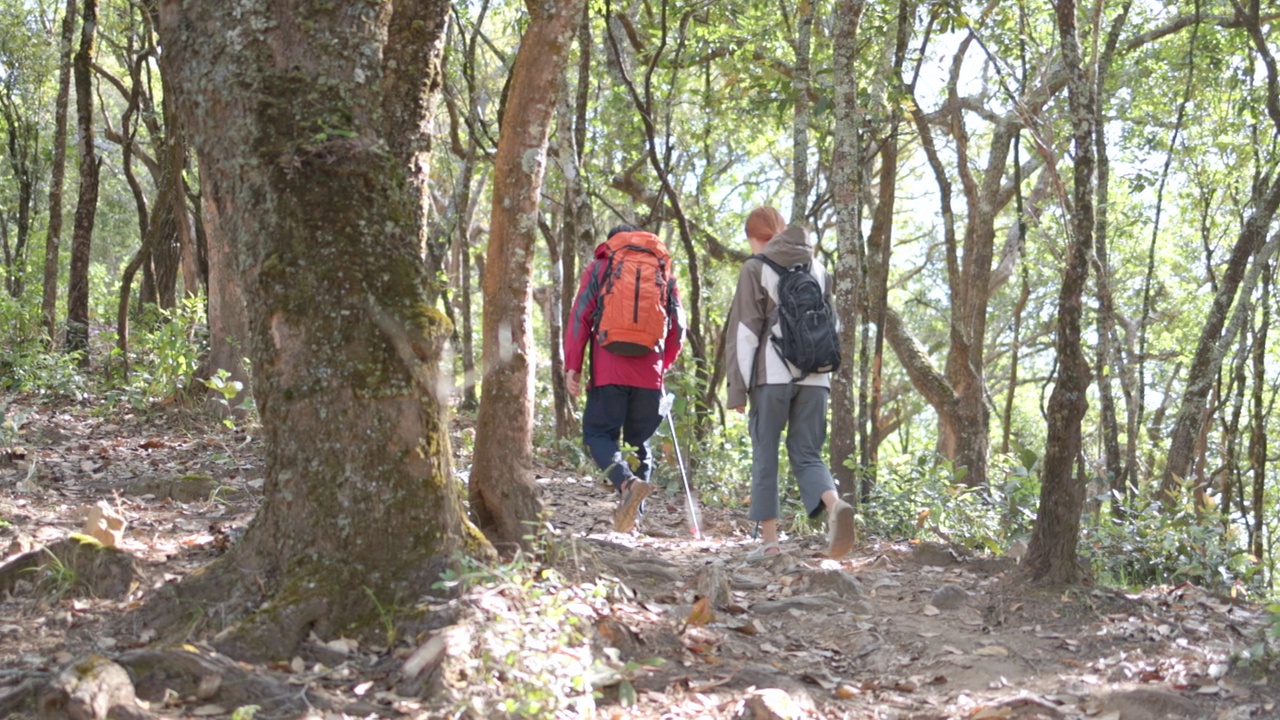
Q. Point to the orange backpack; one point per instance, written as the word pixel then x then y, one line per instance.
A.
pixel 634 295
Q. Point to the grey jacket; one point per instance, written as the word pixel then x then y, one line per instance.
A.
pixel 753 306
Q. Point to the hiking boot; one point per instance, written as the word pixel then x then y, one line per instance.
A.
pixel 842 534
pixel 633 494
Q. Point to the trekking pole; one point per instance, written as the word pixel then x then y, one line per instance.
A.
pixel 690 508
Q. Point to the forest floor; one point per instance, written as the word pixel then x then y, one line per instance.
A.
pixel 689 627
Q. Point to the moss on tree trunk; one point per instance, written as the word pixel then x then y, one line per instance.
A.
pixel 362 510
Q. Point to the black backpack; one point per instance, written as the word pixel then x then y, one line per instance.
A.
pixel 810 341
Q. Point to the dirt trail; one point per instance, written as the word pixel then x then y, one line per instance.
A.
pixel 903 631
pixel 893 631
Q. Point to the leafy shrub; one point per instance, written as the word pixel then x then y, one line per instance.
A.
pixel 27 363
pixel 922 498
pixel 1155 544
pixel 164 354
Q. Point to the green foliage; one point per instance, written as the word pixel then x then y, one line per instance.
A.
pixel 1157 544
pixel 245 712
pixel 921 498
pixel 26 362
pixel 164 355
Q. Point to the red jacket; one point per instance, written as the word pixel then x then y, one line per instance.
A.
pixel 643 371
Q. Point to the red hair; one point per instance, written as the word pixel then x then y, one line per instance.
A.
pixel 764 222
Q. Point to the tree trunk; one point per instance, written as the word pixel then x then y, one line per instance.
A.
pixel 87 201
pixel 23 144
pixel 173 156
pixel 1258 426
pixel 577 229
pixel 846 187
pixel 1051 554
pixel 1109 355
pixel 57 175
pixel 411 74
pixel 225 309
pixel 284 104
pixel 503 497
pixel 801 112
pixel 1210 348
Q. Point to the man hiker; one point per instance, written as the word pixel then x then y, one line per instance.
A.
pixel 628 312
pixel 787 382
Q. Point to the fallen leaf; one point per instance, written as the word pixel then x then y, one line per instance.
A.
pixel 701 614
pixel 992 651
pixel 930 610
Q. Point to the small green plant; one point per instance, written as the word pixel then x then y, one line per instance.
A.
pixel 55 576
pixel 387 616
pixel 222 384
pixel 245 712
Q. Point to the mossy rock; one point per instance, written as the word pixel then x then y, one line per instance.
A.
pixel 77 566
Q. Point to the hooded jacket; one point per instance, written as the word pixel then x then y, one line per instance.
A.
pixel 753 307
pixel 643 371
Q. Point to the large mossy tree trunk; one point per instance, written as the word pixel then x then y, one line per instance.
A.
pixel 504 499
pixel 284 103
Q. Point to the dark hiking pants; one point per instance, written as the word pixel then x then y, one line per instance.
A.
pixel 620 412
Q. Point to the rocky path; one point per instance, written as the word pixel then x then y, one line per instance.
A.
pixel 693 630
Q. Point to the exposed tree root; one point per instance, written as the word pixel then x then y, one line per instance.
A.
pixel 230 604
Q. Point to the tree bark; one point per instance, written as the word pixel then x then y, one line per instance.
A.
pixel 575 227
pixel 1258 426
pixel 504 498
pixel 225 309
pixel 801 112
pixel 57 175
pixel 1210 348
pixel 846 187
pixel 23 144
pixel 411 75
pixel 87 201
pixel 1109 356
pixel 1051 554
pixel 284 104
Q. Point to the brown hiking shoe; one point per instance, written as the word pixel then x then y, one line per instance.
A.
pixel 634 493
pixel 842 534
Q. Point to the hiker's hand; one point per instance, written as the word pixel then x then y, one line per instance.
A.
pixel 740 409
pixel 571 382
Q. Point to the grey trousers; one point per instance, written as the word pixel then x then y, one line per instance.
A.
pixel 802 410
